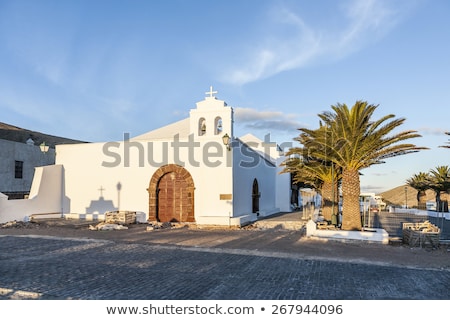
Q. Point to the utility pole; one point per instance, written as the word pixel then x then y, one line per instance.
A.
pixel 406 197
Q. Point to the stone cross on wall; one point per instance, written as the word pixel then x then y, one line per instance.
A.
pixel 211 92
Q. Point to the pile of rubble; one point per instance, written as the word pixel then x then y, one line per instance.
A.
pixel 115 220
pixel 20 225
pixel 120 217
pixel 324 225
pixel 103 226
pixel 164 225
pixel 421 233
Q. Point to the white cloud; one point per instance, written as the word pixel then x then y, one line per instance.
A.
pixel 432 131
pixel 249 114
pixel 267 120
pixel 367 21
pixel 363 22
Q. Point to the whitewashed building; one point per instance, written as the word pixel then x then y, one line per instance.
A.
pixel 185 172
pixel 17 163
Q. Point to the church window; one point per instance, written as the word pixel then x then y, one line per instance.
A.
pixel 218 125
pixel 202 127
pixel 18 170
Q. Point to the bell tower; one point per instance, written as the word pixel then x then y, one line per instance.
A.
pixel 212 118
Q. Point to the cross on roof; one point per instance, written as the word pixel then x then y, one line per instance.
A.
pixel 211 92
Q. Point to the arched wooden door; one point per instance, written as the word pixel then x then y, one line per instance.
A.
pixel 171 195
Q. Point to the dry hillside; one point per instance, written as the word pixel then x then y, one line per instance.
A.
pixel 398 196
pixel 13 133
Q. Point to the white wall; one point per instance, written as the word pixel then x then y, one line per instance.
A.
pixel 283 188
pixel 272 152
pixel 46 197
pixel 86 171
pixel 91 166
pixel 248 165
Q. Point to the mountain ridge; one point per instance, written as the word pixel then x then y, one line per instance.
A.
pixel 399 196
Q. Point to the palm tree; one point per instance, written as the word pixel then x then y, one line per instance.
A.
pixel 320 176
pixel 330 177
pixel 440 183
pixel 299 177
pixel 357 142
pixel 320 173
pixel 420 182
pixel 299 170
pixel 448 142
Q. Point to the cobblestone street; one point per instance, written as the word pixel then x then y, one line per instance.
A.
pixel 50 267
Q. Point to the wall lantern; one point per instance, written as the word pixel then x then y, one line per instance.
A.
pixel 44 147
pixel 226 141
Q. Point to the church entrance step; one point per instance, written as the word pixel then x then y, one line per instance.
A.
pixel 274 224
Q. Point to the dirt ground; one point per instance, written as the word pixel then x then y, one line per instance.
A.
pixel 248 240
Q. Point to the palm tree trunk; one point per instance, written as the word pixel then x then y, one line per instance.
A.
pixel 351 216
pixel 444 201
pixel 327 198
pixel 335 205
pixel 422 200
pixel 438 200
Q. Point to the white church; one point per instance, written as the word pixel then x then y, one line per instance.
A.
pixel 194 170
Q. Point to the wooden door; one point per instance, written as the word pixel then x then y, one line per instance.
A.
pixel 174 199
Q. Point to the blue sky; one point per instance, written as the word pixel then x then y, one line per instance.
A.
pixel 92 70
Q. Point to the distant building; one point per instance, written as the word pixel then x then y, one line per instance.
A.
pixel 371 201
pixel 21 152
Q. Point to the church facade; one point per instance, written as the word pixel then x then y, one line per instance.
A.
pixel 194 170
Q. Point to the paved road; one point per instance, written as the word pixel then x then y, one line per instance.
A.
pixel 41 265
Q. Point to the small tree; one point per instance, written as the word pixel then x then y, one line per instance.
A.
pixel 440 183
pixel 320 172
pixel 421 182
pixel 323 177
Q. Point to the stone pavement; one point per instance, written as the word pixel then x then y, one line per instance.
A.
pixel 65 260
